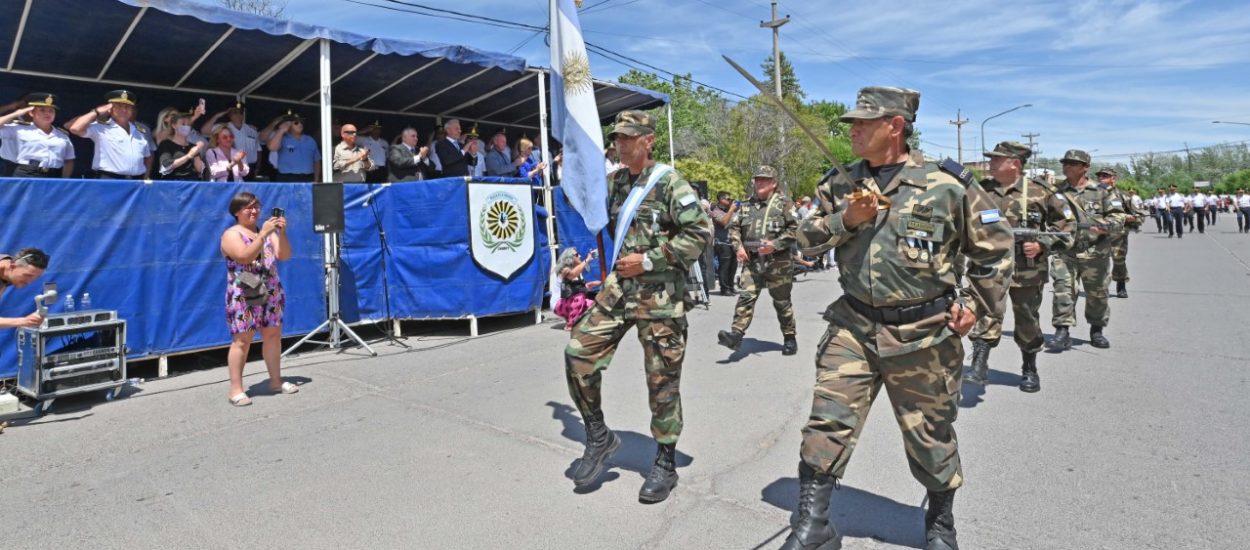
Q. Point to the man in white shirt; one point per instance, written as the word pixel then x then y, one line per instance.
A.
pixel 1241 204
pixel 1177 204
pixel 372 140
pixel 1213 204
pixel 122 147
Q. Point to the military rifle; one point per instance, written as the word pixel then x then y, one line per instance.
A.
pixel 1024 235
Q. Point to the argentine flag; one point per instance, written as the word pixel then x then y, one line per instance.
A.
pixel 575 118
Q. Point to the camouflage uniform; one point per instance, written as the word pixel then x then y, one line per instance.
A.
pixel 672 230
pixel 1090 258
pixel 772 219
pixel 906 258
pixel 1119 245
pixel 1045 213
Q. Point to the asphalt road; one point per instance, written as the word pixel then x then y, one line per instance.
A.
pixel 468 443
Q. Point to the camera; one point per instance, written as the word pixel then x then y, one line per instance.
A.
pixel 277 213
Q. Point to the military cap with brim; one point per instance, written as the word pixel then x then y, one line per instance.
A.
pixel 632 123
pixel 765 171
pixel 1075 155
pixel 1011 149
pixel 292 116
pixel 121 96
pixel 42 100
pixel 1106 170
pixel 883 101
pixel 238 106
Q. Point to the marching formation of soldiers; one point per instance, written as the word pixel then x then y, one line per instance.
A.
pixel 927 255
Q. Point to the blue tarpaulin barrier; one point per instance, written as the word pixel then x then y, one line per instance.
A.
pixel 152 252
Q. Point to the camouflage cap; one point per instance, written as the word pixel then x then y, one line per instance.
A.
pixel 882 101
pixel 765 171
pixel 632 123
pixel 1106 170
pixel 1011 149
pixel 1075 155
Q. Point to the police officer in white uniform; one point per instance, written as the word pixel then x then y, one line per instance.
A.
pixel 1177 204
pixel 1241 204
pixel 43 150
pixel 123 148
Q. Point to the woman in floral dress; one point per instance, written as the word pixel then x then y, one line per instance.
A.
pixel 254 296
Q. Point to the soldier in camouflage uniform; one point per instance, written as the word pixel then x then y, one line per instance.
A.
pixel 762 235
pixel 1100 218
pixel 1119 245
pixel 1045 214
pixel 647 289
pixel 897 228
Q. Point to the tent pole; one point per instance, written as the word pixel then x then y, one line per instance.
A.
pixel 544 137
pixel 672 159
pixel 327 151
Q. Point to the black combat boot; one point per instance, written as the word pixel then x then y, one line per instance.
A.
pixel 812 530
pixel 791 346
pixel 1120 289
pixel 1029 381
pixel 730 339
pixel 600 444
pixel 1061 341
pixel 1096 338
pixel 939 522
pixel 663 476
pixel 980 373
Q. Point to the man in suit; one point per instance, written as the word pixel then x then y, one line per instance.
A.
pixel 406 162
pixel 455 156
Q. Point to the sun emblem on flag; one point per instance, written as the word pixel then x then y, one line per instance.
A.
pixel 576 73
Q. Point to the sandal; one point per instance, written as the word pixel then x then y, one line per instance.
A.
pixel 241 400
pixel 287 388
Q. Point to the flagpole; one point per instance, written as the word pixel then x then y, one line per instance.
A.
pixel 544 141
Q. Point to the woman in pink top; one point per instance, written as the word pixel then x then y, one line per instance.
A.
pixel 225 163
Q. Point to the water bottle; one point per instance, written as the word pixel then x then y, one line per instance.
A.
pixel 69 302
pixel 86 301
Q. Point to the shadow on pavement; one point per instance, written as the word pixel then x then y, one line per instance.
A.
pixel 857 513
pixel 970 395
pixel 262 387
pixel 749 346
pixel 636 454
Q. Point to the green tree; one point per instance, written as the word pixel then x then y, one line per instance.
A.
pixel 694 108
pixel 718 176
pixel 790 88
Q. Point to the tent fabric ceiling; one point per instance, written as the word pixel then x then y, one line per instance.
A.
pixel 180 45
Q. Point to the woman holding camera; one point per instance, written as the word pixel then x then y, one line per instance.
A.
pixel 254 296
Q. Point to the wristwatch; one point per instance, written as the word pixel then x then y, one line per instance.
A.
pixel 646 263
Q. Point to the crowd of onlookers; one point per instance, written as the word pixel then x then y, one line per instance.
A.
pixel 189 145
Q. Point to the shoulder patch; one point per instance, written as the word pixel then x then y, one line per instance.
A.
pixel 958 170
pixel 990 216
pixel 687 200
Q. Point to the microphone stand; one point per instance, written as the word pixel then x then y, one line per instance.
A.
pixel 388 334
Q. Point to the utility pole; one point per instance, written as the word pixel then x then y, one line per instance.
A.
pixel 1030 136
pixel 775 24
pixel 959 123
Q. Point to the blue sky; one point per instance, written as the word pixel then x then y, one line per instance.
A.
pixel 1113 77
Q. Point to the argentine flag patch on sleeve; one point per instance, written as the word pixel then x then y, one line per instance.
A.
pixel 990 216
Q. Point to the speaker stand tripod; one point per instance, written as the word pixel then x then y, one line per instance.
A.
pixel 333 324
pixel 388 335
